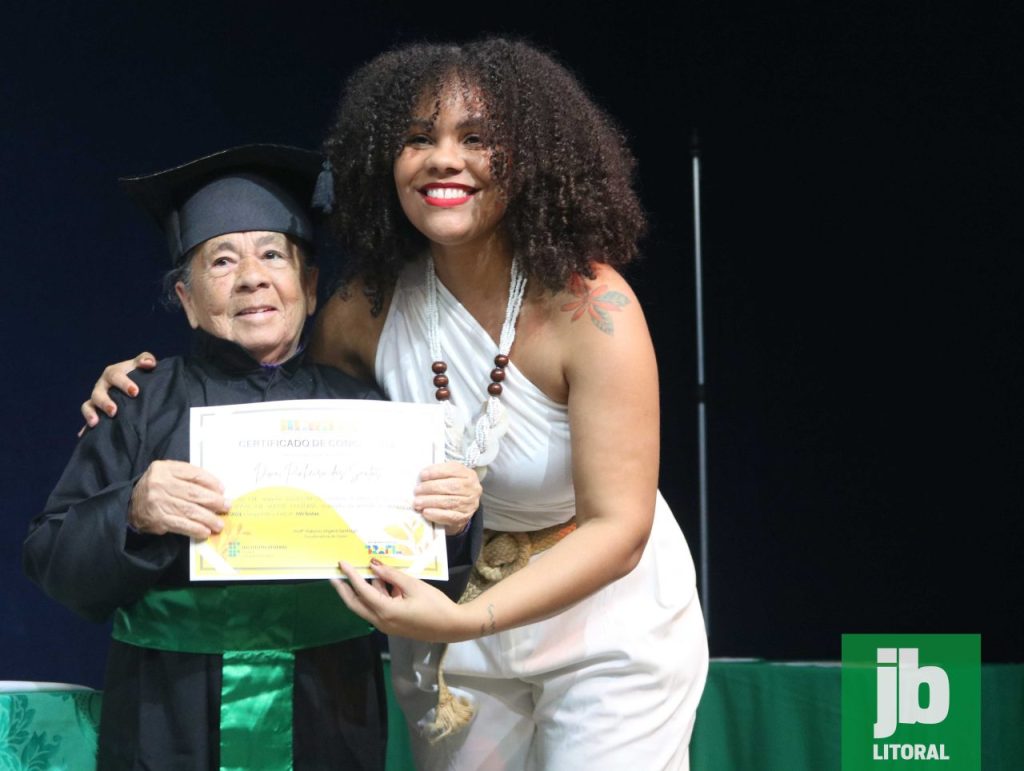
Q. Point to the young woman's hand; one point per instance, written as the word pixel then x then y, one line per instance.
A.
pixel 401 605
pixel 114 377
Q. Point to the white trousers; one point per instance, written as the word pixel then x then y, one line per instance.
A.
pixel 610 684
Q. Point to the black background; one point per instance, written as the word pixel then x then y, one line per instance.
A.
pixel 863 206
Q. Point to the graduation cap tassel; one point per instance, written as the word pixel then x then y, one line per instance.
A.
pixel 323 193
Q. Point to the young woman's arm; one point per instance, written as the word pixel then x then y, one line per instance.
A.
pixel 345 334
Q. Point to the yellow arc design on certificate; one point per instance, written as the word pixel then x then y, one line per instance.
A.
pixel 265 524
pixel 315 482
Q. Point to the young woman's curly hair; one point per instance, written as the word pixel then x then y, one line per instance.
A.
pixel 560 161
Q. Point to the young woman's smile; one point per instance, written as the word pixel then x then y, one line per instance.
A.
pixel 442 194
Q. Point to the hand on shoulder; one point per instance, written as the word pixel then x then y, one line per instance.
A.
pixel 115 378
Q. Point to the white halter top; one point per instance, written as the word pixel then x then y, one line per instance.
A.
pixel 528 486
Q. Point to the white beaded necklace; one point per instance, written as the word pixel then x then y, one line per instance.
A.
pixel 478 446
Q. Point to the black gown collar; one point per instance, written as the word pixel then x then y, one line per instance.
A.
pixel 232 359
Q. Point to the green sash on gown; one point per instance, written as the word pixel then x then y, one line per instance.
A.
pixel 256 628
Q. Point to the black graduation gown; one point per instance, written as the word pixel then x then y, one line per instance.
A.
pixel 161 709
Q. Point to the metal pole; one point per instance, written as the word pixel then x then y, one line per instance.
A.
pixel 705 593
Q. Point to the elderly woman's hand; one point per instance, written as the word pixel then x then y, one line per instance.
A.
pixel 177 497
pixel 114 377
pixel 448 494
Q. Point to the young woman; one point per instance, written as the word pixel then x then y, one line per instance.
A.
pixel 485 204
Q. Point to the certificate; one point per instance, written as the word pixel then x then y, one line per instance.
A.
pixel 315 481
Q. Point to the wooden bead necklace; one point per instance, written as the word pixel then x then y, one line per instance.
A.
pixel 477 447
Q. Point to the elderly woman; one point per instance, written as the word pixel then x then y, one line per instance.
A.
pixel 291 681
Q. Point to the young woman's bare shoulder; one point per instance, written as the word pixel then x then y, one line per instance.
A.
pixel 345 333
pixel 604 306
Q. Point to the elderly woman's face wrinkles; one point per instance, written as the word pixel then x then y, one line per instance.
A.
pixel 250 288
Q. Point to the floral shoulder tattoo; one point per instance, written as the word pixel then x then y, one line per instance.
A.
pixel 597 303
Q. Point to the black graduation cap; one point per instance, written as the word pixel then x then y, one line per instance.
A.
pixel 252 187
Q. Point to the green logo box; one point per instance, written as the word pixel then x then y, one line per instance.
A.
pixel 911 701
